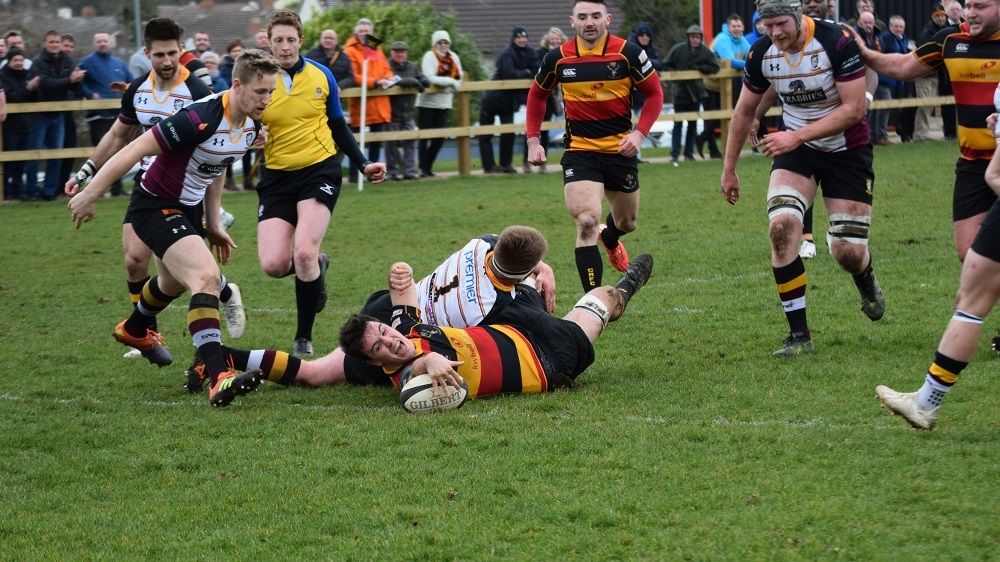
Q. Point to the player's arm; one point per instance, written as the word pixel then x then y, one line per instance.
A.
pixel 218 238
pixel 853 106
pixel 902 66
pixel 402 289
pixel 538 96
pixel 545 283
pixel 82 204
pixel 441 369
pixel 993 171
pixel 766 103
pixel 743 118
pixel 111 143
pixel 342 135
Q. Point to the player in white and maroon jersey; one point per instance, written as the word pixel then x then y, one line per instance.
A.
pixel 149 99
pixel 816 70
pixel 192 149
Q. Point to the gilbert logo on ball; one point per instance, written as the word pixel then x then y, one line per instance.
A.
pixel 417 396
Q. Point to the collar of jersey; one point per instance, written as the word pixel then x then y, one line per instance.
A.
pixel 297 67
pixel 493 277
pixel 602 43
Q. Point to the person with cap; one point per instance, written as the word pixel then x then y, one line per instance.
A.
pixel 601 157
pixel 17 88
pixel 517 62
pixel 443 68
pixel 820 80
pixel 688 95
pixel 401 155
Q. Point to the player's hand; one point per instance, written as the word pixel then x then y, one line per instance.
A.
pixel 261 138
pixel 221 243
pixel 119 87
pixel 752 137
pixel 442 372
pixel 71 188
pixel 776 144
pixel 375 172
pixel 545 283
pixel 82 207
pixel 400 277
pixel 991 124
pixel 629 146
pixel 730 187
pixel 858 40
pixel 536 152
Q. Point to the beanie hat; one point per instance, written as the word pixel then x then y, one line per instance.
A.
pixel 440 35
pixel 774 8
pixel 694 29
pixel 518 31
pixel 14 52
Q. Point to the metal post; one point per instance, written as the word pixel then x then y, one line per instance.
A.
pixel 361 125
pixel 138 24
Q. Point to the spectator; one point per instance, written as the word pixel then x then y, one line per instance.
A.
pixel 330 53
pixel 831 12
pixel 643 37
pixel 401 156
pixel 730 46
pixel 233 50
pixel 3 53
pixel 13 40
pixel 212 60
pixel 57 77
pixel 261 41
pixel 443 69
pixel 868 31
pixel 554 104
pixel 18 88
pixel 139 64
pixel 927 86
pixel 202 43
pixel 378 111
pixel 688 94
pixel 758 29
pixel 68 166
pixel 894 41
pixel 866 7
pixel 949 119
pixel 106 78
pixel 516 62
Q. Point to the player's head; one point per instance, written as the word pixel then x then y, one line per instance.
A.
pixel 518 251
pixel 983 17
pixel 364 337
pixel 162 40
pixel 284 31
pixel 254 80
pixel 815 8
pixel 782 20
pixel 590 19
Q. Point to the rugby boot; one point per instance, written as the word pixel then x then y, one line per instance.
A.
pixel 302 347
pixel 236 316
pixel 231 384
pixel 150 346
pixel 996 343
pixel 797 343
pixel 196 375
pixel 324 263
pixel 636 275
pixel 904 404
pixel 872 299
pixel 618 256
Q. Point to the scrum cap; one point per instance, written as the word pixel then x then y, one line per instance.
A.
pixel 774 8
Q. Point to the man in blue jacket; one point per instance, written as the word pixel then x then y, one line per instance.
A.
pixel 106 79
pixel 894 41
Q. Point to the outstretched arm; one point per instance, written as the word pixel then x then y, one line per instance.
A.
pixel 82 204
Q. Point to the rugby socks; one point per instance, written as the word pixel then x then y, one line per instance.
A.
pixel 206 333
pixel 863 280
pixel 791 280
pixel 278 366
pixel 134 291
pixel 590 266
pixel 306 297
pixel 941 375
pixel 151 301
pixel 611 234
pixel 226 292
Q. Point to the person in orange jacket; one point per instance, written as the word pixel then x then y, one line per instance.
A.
pixel 378 112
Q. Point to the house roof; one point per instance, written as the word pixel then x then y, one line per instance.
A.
pixel 223 22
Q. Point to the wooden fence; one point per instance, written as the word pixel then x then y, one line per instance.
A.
pixel 465 132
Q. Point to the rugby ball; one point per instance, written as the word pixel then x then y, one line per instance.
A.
pixel 417 396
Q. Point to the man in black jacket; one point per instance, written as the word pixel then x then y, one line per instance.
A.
pixel 328 52
pixel 688 94
pixel 516 62
pixel 57 76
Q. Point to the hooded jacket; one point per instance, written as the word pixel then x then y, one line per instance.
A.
pixel 15 85
pixel 654 58
pixel 378 109
pixel 681 57
pixel 733 49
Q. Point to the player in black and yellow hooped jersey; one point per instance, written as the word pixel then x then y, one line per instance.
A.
pixel 969 52
pixel 301 179
pixel 597 71
pixel 149 99
pixel 191 150
pixel 816 70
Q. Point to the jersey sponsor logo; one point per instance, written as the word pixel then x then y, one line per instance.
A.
pixel 800 95
pixel 962 48
pixel 326 188
pixel 853 61
pixel 988 64
pixel 153 121
pixel 972 76
pixel 208 168
pixel 569 73
pixel 774 66
pixel 469 267
pixel 218 141
pixel 173 131
pixel 141 100
pixel 647 66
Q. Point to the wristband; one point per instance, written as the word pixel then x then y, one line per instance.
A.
pixel 365 165
pixel 86 172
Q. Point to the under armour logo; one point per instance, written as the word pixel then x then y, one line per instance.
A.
pixel 141 100
pixel 774 67
pixel 218 141
pixel 179 228
pixel 326 188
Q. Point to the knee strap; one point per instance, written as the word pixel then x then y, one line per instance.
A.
pixel 785 200
pixel 851 229
pixel 595 306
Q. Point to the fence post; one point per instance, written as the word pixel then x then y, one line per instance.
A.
pixel 726 103
pixel 464 141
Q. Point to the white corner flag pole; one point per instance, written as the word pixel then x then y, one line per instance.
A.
pixel 364 106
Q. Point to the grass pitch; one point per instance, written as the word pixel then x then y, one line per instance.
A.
pixel 685 440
